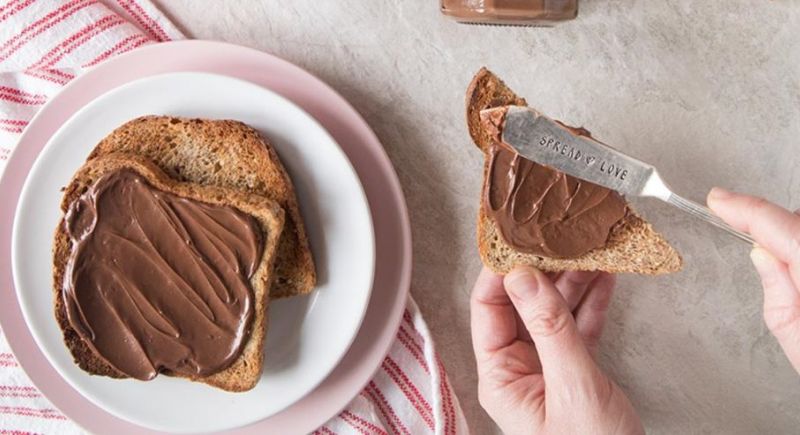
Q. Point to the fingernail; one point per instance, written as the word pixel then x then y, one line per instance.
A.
pixel 762 259
pixel 522 280
pixel 720 193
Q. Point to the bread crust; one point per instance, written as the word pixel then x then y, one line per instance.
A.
pixel 633 245
pixel 245 371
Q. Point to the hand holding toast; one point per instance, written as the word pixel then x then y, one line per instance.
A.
pixel 776 258
pixel 534 341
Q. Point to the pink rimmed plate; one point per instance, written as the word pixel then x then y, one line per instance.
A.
pixel 392 247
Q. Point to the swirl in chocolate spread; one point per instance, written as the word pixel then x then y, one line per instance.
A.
pixel 156 282
pixel 541 211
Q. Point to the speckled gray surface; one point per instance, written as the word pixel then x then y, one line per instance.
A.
pixel 709 91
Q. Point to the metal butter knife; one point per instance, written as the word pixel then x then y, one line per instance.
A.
pixel 538 138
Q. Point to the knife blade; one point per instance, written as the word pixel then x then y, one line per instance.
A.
pixel 541 139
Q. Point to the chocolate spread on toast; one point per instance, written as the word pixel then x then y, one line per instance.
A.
pixel 541 211
pixel 156 282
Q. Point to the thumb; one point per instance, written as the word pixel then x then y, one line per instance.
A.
pixel 547 318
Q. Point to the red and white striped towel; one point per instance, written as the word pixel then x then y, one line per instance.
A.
pixel 46 43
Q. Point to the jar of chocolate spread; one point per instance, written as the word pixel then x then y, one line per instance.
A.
pixel 513 12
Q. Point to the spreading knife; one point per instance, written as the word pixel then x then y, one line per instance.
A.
pixel 540 139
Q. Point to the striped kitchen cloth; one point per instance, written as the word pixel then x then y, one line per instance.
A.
pixel 46 43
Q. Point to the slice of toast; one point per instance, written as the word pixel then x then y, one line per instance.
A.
pixel 633 246
pixel 245 371
pixel 226 154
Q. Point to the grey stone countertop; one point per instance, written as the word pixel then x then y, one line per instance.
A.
pixel 708 91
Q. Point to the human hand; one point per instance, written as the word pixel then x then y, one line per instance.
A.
pixel 776 258
pixel 534 341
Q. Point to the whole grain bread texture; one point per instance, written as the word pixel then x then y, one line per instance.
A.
pixel 227 154
pixel 633 245
pixel 245 371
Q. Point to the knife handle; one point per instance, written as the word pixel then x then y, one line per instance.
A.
pixel 704 213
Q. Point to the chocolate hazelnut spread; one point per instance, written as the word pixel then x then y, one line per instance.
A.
pixel 541 211
pixel 156 282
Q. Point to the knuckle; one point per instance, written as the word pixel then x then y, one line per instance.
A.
pixel 578 279
pixel 602 302
pixel 758 205
pixel 497 371
pixel 549 321
pixel 592 338
pixel 504 368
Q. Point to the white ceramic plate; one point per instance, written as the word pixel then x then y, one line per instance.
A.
pixel 307 335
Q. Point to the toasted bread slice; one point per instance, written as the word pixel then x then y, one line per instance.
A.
pixel 226 154
pixel 633 246
pixel 245 371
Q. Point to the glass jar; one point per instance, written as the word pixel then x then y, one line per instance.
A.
pixel 513 12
